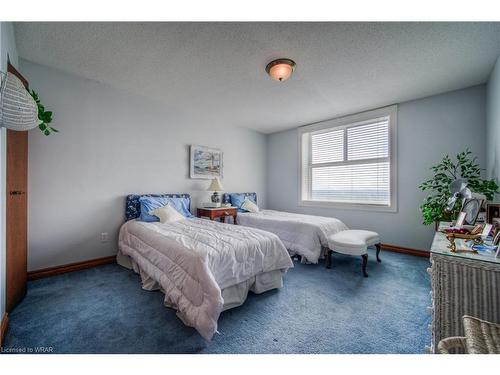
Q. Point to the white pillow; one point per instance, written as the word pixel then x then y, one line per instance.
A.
pixel 167 214
pixel 249 206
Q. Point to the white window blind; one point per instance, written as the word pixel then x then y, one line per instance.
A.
pixel 348 163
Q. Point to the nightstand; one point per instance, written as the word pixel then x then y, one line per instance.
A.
pixel 214 213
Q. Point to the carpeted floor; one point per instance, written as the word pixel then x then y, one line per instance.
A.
pixel 104 310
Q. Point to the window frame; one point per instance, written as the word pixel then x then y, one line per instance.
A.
pixel 343 123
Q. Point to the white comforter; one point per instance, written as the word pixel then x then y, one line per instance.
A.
pixel 194 259
pixel 302 234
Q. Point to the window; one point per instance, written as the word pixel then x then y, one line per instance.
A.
pixel 350 162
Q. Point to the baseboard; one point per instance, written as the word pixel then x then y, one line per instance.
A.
pixel 65 268
pixel 406 250
pixel 3 327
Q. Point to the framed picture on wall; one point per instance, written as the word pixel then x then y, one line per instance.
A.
pixel 205 162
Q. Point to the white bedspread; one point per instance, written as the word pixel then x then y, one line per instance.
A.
pixel 194 259
pixel 302 234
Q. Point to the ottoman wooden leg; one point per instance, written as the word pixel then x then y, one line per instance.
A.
pixel 377 246
pixel 365 262
pixel 328 256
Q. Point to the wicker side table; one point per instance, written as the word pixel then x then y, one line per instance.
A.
pixel 481 337
pixel 462 284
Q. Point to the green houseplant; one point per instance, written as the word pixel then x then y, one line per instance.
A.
pixel 44 116
pixel 448 170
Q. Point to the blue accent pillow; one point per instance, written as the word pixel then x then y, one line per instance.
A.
pixel 237 200
pixel 150 203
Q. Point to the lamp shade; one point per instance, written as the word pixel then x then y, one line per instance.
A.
pixel 215 185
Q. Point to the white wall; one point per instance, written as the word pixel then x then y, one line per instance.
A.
pixel 112 143
pixel 7 51
pixel 427 130
pixel 493 122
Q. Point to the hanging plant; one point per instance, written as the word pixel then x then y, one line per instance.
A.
pixel 44 116
pixel 447 171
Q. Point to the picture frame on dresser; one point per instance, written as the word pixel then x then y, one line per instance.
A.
pixel 486 231
pixel 492 211
pixel 496 238
pixel 471 207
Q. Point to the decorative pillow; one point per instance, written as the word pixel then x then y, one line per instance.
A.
pixel 237 200
pixel 167 214
pixel 148 204
pixel 249 206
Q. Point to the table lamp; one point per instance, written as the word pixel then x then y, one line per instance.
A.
pixel 215 186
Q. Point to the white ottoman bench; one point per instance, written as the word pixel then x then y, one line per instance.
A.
pixel 353 242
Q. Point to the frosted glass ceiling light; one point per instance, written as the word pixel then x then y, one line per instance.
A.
pixel 280 69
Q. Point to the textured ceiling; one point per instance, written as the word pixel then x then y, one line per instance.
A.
pixel 215 71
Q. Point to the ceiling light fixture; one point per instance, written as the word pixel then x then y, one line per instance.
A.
pixel 280 69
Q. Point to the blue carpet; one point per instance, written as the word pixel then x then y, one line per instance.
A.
pixel 104 310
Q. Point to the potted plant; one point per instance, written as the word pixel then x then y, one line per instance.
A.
pixel 44 116
pixel 447 171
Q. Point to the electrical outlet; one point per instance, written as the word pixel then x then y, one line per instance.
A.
pixel 104 237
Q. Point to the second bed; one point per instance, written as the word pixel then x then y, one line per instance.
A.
pixel 304 235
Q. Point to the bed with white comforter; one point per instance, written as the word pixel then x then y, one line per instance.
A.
pixel 304 235
pixel 199 264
